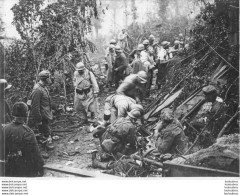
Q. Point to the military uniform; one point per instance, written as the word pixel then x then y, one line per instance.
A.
pixel 120 65
pixel 131 88
pixel 118 106
pixel 172 139
pixel 22 154
pixel 120 137
pixel 85 88
pixel 41 110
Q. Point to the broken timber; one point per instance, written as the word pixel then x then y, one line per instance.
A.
pixel 74 171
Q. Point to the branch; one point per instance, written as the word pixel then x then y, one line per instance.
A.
pixel 227 124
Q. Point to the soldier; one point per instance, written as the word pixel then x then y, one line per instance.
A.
pixel 170 137
pixel 22 154
pixel 86 92
pixel 213 107
pixel 6 115
pixel 120 137
pixel 133 86
pixel 119 66
pixel 137 65
pixel 41 108
pixel 110 58
pixel 117 106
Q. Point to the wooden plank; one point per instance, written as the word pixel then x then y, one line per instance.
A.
pixel 180 170
pixel 75 171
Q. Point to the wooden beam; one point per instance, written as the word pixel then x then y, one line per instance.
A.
pixel 75 171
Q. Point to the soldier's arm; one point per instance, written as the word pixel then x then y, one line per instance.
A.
pixel 36 99
pixel 165 143
pixel 75 79
pixel 94 83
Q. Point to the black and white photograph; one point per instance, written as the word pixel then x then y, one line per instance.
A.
pixel 119 89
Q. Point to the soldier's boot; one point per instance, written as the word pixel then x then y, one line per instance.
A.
pixel 96 163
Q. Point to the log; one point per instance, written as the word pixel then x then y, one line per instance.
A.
pixel 158 164
pixel 227 124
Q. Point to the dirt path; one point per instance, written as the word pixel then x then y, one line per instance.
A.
pixel 73 147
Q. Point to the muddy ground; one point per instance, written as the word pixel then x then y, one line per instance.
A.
pixel 75 143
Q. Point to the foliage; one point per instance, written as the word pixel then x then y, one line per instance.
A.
pixel 53 37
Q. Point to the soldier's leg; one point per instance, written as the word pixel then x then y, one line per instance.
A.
pixel 45 128
pixel 80 110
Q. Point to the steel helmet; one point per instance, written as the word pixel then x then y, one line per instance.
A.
pixel 135 113
pixel 20 109
pixel 140 47
pixel 209 90
pixel 142 75
pixel 118 49
pixel 180 35
pixel 138 107
pixel 4 84
pixel 167 114
pixel 165 43
pixel 80 66
pixel 151 37
pixel 176 42
pixel 113 41
pixel 44 74
pixel 145 42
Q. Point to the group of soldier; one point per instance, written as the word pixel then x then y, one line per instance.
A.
pixel 123 112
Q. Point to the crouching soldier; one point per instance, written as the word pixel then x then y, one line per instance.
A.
pixel 169 134
pixel 117 106
pixel 118 139
pixel 22 154
pixel 133 86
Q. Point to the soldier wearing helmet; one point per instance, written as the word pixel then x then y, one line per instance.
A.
pixel 117 106
pixel 5 116
pixel 212 106
pixel 136 64
pixel 120 65
pixel 86 92
pixel 133 86
pixel 21 149
pixel 120 137
pixel 169 134
pixel 110 58
pixel 40 114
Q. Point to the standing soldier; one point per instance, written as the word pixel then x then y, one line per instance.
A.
pixel 137 65
pixel 110 58
pixel 119 66
pixel 22 154
pixel 86 92
pixel 41 109
pixel 6 115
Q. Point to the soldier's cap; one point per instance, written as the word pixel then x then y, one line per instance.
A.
pixel 80 66
pixel 209 89
pixel 20 109
pixel 135 113
pixel 145 42
pixel 167 114
pixel 165 43
pixel 140 47
pixel 113 41
pixel 44 74
pixel 151 37
pixel 4 84
pixel 177 42
pixel 118 49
